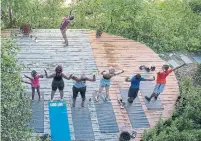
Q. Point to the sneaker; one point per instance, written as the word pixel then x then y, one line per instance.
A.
pixel 32 100
pixel 122 106
pixel 147 98
pixel 51 100
pixel 62 99
pixel 82 104
pixel 73 104
pixel 107 99
pixel 96 98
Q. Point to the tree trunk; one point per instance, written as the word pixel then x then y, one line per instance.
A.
pixel 10 17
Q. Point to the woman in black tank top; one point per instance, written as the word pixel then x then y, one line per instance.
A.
pixel 57 82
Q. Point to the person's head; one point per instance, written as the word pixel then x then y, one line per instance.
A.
pixel 33 73
pixel 138 76
pixel 112 70
pixel 83 76
pixel 59 69
pixel 165 67
pixel 71 17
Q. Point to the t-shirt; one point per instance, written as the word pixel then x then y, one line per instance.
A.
pixel 35 81
pixel 64 23
pixel 161 77
pixel 136 83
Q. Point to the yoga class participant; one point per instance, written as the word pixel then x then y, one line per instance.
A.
pixel 106 81
pixel 135 85
pixel 161 81
pixel 35 84
pixel 63 27
pixel 57 82
pixel 80 86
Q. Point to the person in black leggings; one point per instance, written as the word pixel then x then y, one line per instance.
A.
pixel 80 86
pixel 57 82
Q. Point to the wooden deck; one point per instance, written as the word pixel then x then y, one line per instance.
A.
pixel 107 51
pixel 128 55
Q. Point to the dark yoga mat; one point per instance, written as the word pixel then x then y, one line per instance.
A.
pixel 135 111
pixel 37 108
pixel 82 122
pixel 146 89
pixel 106 117
pixel 59 124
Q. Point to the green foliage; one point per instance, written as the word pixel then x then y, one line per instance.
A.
pixel 15 108
pixel 185 124
pixel 163 25
pixel 197 75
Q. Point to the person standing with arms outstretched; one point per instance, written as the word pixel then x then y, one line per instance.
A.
pixel 105 82
pixel 57 82
pixel 63 27
pixel 35 83
pixel 135 86
pixel 161 81
pixel 80 86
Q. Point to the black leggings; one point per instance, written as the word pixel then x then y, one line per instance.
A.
pixel 77 90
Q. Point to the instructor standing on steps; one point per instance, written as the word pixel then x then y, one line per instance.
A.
pixel 64 25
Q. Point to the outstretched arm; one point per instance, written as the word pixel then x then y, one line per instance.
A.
pixel 128 79
pixel 178 67
pixel 67 77
pixel 75 78
pixel 49 76
pixel 102 72
pixel 119 72
pixel 26 82
pixel 93 79
pixel 149 79
pixel 28 77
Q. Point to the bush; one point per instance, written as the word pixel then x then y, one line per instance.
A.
pixel 185 123
pixel 15 108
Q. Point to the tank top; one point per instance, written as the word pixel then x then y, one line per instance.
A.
pixel 80 84
pixel 58 77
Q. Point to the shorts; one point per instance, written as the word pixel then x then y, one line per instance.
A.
pixel 57 85
pixel 104 82
pixel 37 88
pixel 63 32
pixel 133 92
pixel 77 90
pixel 159 88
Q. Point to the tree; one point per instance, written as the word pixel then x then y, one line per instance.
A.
pixel 15 104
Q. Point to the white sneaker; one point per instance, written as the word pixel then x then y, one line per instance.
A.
pixel 96 98
pixel 107 99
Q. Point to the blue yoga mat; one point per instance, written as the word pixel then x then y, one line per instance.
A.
pixel 59 125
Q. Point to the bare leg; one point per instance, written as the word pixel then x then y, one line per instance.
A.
pixel 52 94
pixel 61 94
pixel 99 93
pixel 107 88
pixel 38 91
pixel 33 93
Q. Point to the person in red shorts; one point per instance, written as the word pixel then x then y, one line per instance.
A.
pixel 161 81
pixel 64 25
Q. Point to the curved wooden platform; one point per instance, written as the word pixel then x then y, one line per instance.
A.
pixel 87 54
pixel 121 53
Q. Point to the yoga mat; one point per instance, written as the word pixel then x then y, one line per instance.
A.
pixel 146 88
pixel 106 117
pixel 59 125
pixel 82 122
pixel 37 108
pixel 135 111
